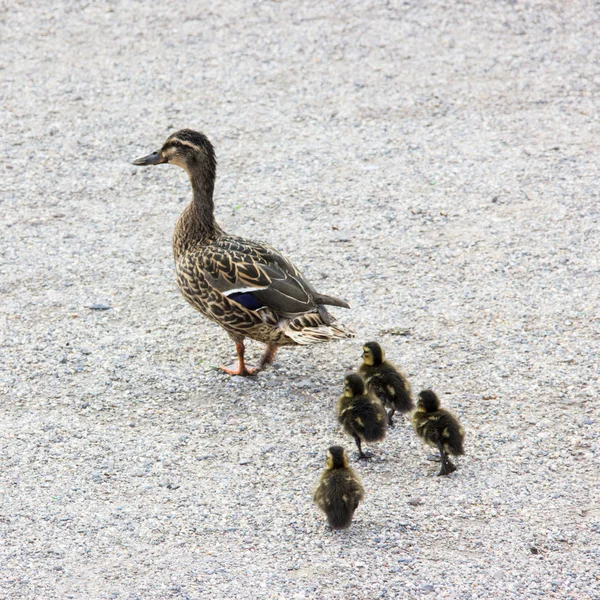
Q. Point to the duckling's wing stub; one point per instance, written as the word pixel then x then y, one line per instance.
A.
pixel 392 389
pixel 257 276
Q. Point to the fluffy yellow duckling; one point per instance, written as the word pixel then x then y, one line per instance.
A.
pixel 438 428
pixel 339 490
pixel 385 381
pixel 361 415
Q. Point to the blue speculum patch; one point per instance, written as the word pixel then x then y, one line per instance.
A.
pixel 246 299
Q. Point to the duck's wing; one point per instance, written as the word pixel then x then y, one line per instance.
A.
pixel 257 276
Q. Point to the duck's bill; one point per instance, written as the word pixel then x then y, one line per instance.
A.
pixel 152 159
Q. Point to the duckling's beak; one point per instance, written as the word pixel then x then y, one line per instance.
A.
pixel 156 158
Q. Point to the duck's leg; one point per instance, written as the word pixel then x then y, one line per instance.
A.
pixel 267 356
pixel 241 368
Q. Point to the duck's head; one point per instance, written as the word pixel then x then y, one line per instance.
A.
pixel 337 458
pixel 428 401
pixel 190 150
pixel 353 385
pixel 373 354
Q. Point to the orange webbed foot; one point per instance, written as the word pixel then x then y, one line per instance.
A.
pixel 242 371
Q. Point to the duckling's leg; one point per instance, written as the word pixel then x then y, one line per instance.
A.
pixel 241 369
pixel 267 356
pixel 447 465
pixel 390 415
pixel 361 454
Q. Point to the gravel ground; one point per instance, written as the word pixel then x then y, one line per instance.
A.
pixel 434 163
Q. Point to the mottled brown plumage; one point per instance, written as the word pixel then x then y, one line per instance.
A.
pixel 247 287
pixel 339 490
pixel 385 381
pixel 438 428
pixel 361 414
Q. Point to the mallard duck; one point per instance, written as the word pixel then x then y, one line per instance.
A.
pixel 438 428
pixel 339 490
pixel 385 381
pixel 247 287
pixel 361 415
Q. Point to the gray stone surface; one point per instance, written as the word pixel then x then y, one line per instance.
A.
pixel 434 163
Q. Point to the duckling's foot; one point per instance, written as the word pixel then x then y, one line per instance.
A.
pixel 241 368
pixel 363 456
pixel 447 468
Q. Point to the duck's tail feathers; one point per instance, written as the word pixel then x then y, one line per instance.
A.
pixel 310 329
pixel 330 301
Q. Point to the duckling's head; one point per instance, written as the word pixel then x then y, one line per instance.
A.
pixel 337 458
pixel 353 385
pixel 187 149
pixel 428 401
pixel 373 354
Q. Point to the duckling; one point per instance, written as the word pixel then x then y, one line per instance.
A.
pixel 438 428
pixel 339 490
pixel 361 415
pixel 247 287
pixel 385 381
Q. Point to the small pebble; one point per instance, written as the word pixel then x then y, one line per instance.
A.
pixel 98 306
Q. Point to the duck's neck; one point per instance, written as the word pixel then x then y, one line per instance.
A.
pixel 196 225
pixel 203 206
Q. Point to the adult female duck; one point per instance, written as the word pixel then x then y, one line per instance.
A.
pixel 247 287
